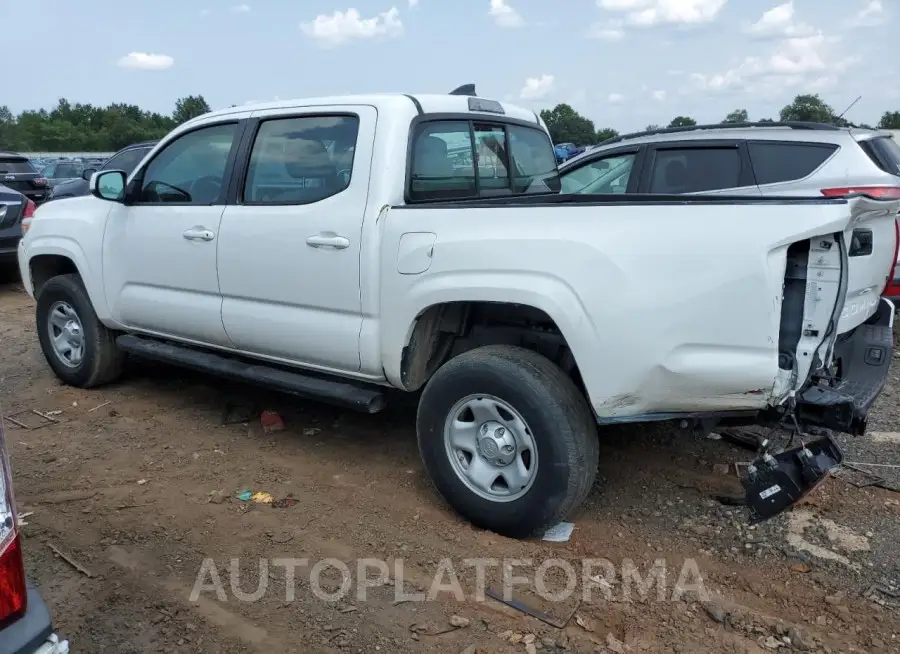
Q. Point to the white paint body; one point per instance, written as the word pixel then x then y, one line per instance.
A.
pixel 666 307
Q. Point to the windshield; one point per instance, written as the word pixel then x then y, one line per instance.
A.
pixel 127 160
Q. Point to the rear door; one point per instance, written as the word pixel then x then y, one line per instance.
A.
pixel 711 167
pixel 289 246
pixel 17 173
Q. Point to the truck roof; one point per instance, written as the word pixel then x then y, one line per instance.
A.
pixel 425 103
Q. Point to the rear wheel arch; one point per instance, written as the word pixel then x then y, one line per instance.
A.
pixel 445 330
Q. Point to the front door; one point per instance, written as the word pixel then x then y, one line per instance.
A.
pixel 159 250
pixel 289 252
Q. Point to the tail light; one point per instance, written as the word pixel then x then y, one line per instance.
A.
pixel 880 192
pixel 28 215
pixel 13 592
pixel 40 182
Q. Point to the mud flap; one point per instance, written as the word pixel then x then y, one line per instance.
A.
pixel 774 483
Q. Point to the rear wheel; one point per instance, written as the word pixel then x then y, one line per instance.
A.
pixel 79 348
pixel 508 439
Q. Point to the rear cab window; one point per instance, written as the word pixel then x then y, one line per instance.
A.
pixel 470 158
pixel 15 166
pixel 775 161
pixel 884 152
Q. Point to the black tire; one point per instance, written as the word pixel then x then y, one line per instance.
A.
pixel 102 361
pixel 562 426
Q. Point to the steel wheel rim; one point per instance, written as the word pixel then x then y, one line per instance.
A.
pixel 66 334
pixel 491 448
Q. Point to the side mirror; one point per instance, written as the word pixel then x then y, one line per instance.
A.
pixel 109 185
pixel 86 175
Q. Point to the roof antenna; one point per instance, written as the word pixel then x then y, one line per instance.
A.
pixel 465 89
pixel 849 108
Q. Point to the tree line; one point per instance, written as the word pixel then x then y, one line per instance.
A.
pixel 568 126
pixel 89 128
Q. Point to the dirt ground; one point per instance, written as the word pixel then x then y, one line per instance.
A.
pixel 137 484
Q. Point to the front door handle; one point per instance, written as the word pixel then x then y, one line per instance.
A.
pixel 199 233
pixel 328 240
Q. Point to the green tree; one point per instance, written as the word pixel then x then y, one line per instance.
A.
pixel 682 121
pixel 737 116
pixel 651 128
pixel 190 107
pixel 605 133
pixel 890 120
pixel 568 126
pixel 766 120
pixel 810 108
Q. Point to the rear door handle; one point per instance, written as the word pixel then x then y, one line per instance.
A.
pixel 199 233
pixel 328 240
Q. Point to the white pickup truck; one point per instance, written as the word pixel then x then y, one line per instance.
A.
pixel 336 248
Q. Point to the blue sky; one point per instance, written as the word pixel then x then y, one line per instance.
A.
pixel 623 63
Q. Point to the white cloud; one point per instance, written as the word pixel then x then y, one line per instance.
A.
pixel 615 98
pixel 536 87
pixel 646 13
pixel 146 61
pixel 504 15
pixel 413 3
pixel 344 26
pixel 240 9
pixel 205 12
pixel 659 95
pixel 779 22
pixel 610 31
pixel 799 62
pixel 871 15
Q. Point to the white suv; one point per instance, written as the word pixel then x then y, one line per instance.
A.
pixel 762 159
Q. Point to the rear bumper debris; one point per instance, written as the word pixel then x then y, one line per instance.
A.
pixel 776 482
pixel 863 358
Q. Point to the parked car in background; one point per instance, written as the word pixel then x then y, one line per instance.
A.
pixel 61 171
pixel 14 208
pixel 125 159
pixel 25 623
pixel 520 315
pixel 565 151
pixel 18 173
pixel 753 159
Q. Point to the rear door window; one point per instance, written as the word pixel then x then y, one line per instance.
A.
pixel 694 170
pixel 15 166
pixel 457 159
pixel 775 162
pixel 68 170
pixel 884 152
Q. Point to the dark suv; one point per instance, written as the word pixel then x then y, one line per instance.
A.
pixel 17 173
pixel 14 208
pixel 125 159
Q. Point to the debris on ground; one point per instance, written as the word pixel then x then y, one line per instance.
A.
pixel 260 497
pixel 559 533
pixel 283 503
pixel 458 621
pixel 71 561
pixel 271 421
pixel 100 406
pixel 141 482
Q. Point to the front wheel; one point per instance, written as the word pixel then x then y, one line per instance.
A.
pixel 508 439
pixel 79 348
